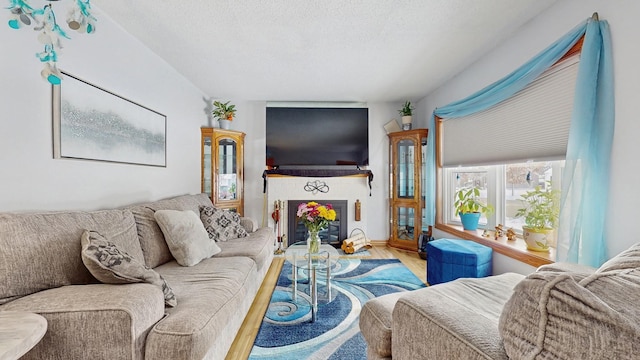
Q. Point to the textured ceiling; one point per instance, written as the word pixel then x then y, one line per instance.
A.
pixel 313 50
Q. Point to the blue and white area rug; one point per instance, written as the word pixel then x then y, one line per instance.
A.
pixel 286 331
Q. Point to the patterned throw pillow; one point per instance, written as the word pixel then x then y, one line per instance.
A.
pixel 222 225
pixel 110 265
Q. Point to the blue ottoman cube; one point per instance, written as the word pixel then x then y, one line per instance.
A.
pixel 449 259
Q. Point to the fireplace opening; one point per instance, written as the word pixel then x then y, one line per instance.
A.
pixel 333 234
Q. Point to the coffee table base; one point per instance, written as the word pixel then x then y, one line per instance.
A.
pixel 313 287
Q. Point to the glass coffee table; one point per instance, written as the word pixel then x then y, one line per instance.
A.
pixel 298 255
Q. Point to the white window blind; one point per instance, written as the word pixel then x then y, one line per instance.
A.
pixel 531 125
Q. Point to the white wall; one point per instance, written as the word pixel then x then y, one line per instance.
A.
pixel 112 59
pixel 535 36
pixel 250 119
pixel 30 179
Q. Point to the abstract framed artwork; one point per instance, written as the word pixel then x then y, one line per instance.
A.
pixel 91 123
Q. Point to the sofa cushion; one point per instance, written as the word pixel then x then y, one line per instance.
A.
pixel 258 246
pixel 454 320
pixel 187 239
pixel 154 247
pixel 110 265
pixel 215 295
pixel 551 315
pixel 42 250
pixel 222 225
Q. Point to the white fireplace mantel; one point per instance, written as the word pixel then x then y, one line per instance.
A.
pixel 351 188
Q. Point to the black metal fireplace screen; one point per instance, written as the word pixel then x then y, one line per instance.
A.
pixel 333 234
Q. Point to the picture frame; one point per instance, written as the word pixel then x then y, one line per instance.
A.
pixel 91 123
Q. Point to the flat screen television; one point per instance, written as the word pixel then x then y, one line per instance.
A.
pixel 305 136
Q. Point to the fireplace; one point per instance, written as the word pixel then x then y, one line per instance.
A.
pixel 333 234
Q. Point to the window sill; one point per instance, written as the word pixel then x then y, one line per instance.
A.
pixel 514 249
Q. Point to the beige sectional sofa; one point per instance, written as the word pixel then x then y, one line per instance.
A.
pixel 561 311
pixel 42 271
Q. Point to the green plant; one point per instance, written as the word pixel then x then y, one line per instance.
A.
pixel 467 201
pixel 407 109
pixel 223 111
pixel 541 207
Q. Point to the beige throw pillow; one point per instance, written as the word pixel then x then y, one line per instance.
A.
pixel 110 265
pixel 187 238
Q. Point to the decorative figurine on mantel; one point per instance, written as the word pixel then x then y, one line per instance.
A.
pixel 511 235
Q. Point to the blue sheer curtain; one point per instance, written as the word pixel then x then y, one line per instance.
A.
pixel 585 182
pixel 519 79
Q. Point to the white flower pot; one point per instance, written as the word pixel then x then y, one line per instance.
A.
pixel 224 124
pixel 406 122
pixel 537 239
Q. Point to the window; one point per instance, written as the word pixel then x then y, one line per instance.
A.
pixel 500 186
pixel 492 137
pixel 532 124
pixel 464 178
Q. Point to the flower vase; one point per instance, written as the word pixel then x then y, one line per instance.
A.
pixel 313 242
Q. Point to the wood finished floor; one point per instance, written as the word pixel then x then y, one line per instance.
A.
pixel 243 343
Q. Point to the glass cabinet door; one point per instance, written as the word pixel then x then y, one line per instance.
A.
pixel 405 174
pixel 206 165
pixel 227 170
pixel 405 227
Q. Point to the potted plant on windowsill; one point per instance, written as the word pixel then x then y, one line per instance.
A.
pixel 224 113
pixel 470 208
pixel 406 112
pixel 541 214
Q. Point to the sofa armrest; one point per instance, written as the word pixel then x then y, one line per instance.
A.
pixel 249 224
pixel 106 321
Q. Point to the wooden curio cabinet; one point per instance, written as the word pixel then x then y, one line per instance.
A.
pixel 407 170
pixel 223 168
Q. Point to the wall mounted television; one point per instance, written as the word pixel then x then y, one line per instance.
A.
pixel 317 137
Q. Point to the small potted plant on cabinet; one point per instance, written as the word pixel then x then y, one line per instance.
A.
pixel 541 214
pixel 406 112
pixel 224 113
pixel 470 208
